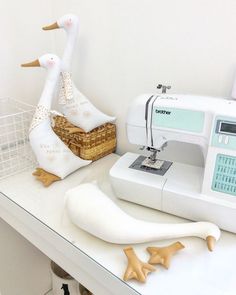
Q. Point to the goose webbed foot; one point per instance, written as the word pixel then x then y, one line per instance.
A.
pixel 163 255
pixel 136 269
pixel 45 177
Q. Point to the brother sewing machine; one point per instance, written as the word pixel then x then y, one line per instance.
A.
pixel 188 191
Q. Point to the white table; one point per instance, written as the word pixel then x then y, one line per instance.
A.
pixel 38 214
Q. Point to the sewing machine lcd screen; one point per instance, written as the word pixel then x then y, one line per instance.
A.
pixel 228 128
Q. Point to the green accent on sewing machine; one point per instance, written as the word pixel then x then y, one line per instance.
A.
pixel 192 121
pixel 224 179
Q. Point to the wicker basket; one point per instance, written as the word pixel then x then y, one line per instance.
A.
pixel 93 145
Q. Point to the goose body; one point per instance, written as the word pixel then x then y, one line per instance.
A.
pixel 52 154
pixel 90 209
pixel 76 107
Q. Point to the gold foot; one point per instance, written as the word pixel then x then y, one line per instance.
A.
pixel 136 269
pixel 163 255
pixel 45 177
pixel 210 243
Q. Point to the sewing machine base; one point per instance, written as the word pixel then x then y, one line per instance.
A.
pixel 178 192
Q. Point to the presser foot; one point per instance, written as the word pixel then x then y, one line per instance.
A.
pixel 145 164
pixel 154 164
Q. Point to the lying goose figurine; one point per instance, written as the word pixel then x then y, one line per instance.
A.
pixel 90 209
pixel 55 159
pixel 75 106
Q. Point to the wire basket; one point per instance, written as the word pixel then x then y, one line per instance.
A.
pixel 15 151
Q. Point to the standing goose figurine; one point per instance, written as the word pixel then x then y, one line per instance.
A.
pixel 75 106
pixel 55 159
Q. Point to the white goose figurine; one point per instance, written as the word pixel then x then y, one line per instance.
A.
pixel 90 209
pixel 75 106
pixel 55 159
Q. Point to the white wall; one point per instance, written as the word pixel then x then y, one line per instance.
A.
pixel 127 47
pixel 23 40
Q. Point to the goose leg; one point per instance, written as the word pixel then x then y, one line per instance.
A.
pixel 163 255
pixel 45 177
pixel 136 269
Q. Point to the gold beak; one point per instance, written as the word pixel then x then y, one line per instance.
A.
pixel 51 27
pixel 34 63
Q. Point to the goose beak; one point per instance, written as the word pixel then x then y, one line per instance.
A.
pixel 34 63
pixel 210 243
pixel 51 27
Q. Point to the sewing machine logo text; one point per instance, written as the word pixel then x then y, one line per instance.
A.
pixel 163 112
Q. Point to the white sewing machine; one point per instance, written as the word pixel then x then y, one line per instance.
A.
pixel 188 191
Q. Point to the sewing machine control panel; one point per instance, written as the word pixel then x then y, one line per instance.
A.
pixel 224 137
pixel 224 133
pixel 224 178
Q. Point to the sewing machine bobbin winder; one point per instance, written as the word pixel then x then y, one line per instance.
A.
pixel 193 192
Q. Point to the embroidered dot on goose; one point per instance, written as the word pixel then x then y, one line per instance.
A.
pixel 87 114
pixel 74 113
pixel 51 158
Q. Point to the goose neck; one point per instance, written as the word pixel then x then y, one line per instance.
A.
pixel 49 87
pixel 68 53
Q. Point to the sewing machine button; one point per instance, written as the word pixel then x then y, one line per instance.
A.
pixel 226 140
pixel 220 138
